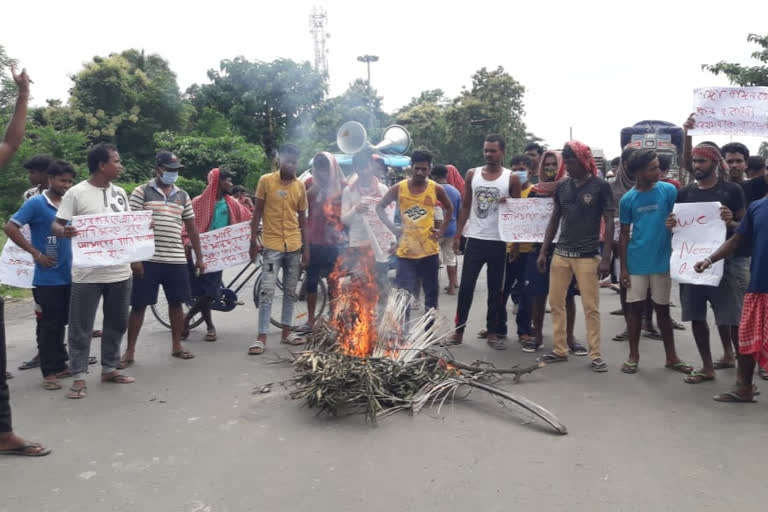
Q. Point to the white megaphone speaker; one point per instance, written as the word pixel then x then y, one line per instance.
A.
pixel 352 138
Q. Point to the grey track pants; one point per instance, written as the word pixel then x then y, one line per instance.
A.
pixel 84 301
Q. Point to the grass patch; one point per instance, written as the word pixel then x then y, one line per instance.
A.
pixel 10 291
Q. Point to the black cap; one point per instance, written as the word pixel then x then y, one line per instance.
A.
pixel 167 159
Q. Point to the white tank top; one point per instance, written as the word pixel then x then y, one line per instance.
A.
pixel 484 217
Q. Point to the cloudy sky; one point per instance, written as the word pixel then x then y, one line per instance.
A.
pixel 595 66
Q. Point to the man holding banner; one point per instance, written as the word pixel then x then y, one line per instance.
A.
pixel 96 195
pixel 724 298
pixel 171 209
pixel 215 208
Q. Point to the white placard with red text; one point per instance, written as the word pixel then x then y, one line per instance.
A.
pixel 699 231
pixel 382 239
pixel 108 239
pixel 226 247
pixel 17 267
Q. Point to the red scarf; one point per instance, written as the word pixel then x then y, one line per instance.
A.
pixel 205 204
pixel 547 188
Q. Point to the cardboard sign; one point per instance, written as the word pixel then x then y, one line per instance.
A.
pixel 731 111
pixel 17 267
pixel 698 233
pixel 382 239
pixel 107 239
pixel 226 247
pixel 525 220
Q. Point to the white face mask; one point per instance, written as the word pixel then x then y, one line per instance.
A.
pixel 523 175
pixel 169 177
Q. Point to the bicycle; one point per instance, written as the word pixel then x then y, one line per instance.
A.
pixel 228 298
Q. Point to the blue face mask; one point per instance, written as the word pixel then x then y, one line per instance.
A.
pixel 169 177
pixel 523 175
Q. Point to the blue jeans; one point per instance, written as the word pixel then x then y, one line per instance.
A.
pixel 290 262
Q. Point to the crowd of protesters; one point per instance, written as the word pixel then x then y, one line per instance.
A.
pixel 438 215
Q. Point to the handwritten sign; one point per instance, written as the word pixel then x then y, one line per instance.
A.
pixel 698 233
pixel 226 247
pixel 107 239
pixel 17 268
pixel 731 111
pixel 380 236
pixel 524 220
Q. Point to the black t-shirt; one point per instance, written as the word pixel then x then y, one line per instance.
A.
pixel 582 208
pixel 755 189
pixel 727 193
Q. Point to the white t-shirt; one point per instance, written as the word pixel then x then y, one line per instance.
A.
pixel 358 236
pixel 85 199
pixel 484 216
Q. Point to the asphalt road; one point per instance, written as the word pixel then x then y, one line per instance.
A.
pixel 190 436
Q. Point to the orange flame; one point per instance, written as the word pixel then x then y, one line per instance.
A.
pixel 354 314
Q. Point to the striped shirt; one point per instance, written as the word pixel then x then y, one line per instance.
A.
pixel 168 216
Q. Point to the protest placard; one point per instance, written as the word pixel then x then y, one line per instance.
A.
pixel 698 233
pixel 731 111
pixel 106 239
pixel 381 237
pixel 226 247
pixel 17 267
pixel 524 220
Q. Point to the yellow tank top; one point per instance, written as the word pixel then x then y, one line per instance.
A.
pixel 417 215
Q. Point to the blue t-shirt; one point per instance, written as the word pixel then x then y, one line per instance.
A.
pixel 754 229
pixel 650 246
pixel 455 197
pixel 39 213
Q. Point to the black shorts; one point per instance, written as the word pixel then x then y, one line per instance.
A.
pixel 322 259
pixel 174 278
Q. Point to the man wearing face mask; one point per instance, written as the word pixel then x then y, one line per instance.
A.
pixel 517 260
pixel 171 209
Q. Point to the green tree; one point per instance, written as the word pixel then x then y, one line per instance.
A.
pixel 425 119
pixel 201 154
pixel 262 100
pixel 746 76
pixel 493 104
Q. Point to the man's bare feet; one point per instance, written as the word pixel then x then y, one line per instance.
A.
pixel 11 444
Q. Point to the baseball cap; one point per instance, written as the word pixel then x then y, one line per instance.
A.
pixel 167 159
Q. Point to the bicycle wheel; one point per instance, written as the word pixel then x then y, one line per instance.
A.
pixel 300 313
pixel 160 311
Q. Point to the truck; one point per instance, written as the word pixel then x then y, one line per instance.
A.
pixel 665 137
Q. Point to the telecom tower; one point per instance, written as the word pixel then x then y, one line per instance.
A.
pixel 317 27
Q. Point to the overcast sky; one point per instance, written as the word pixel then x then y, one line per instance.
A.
pixel 592 65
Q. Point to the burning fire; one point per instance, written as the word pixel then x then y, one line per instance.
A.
pixel 354 310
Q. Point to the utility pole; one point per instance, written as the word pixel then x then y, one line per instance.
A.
pixel 368 59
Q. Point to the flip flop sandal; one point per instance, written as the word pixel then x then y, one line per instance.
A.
pixel 617 312
pixel 183 354
pixel 211 336
pixel 77 393
pixel 696 377
pixel 599 366
pixel 680 366
pixel 256 349
pixel 28 365
pixel 722 365
pixel 733 397
pixel 117 378
pixel 450 341
pixel 553 358
pixel 294 339
pixel 677 325
pixel 654 335
pixel 578 349
pixel 624 336
pixel 51 386
pixel 92 360
pixel 482 334
pixel 629 367
pixel 530 347
pixel 763 374
pixel 127 363
pixel 98 333
pixel 24 451
pixel 499 344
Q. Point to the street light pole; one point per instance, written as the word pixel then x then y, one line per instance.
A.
pixel 368 59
